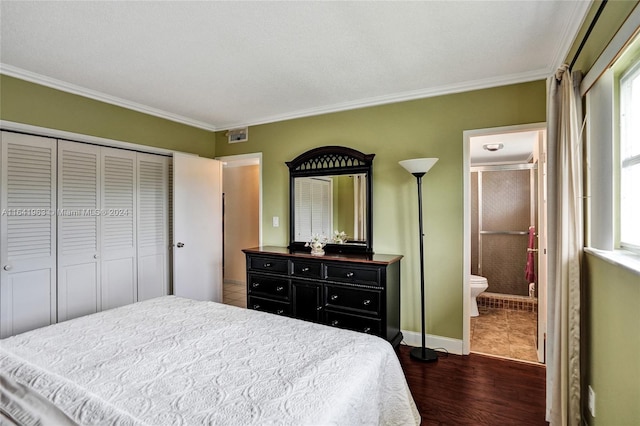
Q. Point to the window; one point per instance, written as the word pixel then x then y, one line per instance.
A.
pixel 630 158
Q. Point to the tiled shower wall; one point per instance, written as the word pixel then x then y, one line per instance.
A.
pixel 505 199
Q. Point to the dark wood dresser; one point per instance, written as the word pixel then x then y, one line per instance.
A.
pixel 359 292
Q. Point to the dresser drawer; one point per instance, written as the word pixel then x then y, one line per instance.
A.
pixel 354 322
pixel 271 306
pixel 269 264
pixel 261 285
pixel 349 274
pixel 367 301
pixel 307 269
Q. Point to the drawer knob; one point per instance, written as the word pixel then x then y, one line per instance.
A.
pixel 367 329
pixel 319 308
pixel 280 311
pixel 367 302
pixel 279 288
pixel 305 269
pixel 334 297
pixel 349 274
pixel 256 306
pixel 267 265
pixel 335 322
pixel 255 285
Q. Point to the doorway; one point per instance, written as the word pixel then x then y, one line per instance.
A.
pixel 242 221
pixel 505 241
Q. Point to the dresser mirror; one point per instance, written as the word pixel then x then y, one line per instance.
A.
pixel 330 190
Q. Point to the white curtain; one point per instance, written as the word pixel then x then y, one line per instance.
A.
pixel 565 203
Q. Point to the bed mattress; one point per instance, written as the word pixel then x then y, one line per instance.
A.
pixel 175 361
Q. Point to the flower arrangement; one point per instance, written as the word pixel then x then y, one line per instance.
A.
pixel 317 243
pixel 339 237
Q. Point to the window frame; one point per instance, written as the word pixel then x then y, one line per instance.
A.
pixel 624 80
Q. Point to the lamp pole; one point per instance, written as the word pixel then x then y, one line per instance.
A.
pixel 424 343
pixel 422 354
pixel 419 167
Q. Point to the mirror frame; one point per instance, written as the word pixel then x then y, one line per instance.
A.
pixel 332 160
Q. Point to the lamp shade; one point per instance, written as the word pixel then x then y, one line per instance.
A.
pixel 418 165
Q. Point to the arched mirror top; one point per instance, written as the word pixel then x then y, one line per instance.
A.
pixel 330 159
pixel 330 195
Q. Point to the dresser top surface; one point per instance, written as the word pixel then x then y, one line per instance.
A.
pixel 384 259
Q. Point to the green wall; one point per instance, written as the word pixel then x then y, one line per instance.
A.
pixel 612 17
pixel 611 294
pixel 29 103
pixel 612 305
pixel 345 209
pixel 430 127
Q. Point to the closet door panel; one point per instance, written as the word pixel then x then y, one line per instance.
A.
pixel 78 229
pixel 118 227
pixel 152 215
pixel 27 233
pixel 26 298
pixel 78 290
pixel 118 282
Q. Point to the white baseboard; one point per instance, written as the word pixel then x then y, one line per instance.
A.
pixel 453 346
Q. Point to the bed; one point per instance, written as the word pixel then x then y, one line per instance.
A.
pixel 175 361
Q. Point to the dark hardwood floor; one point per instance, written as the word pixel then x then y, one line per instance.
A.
pixel 476 390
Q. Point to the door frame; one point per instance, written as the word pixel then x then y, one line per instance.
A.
pixel 466 245
pixel 251 159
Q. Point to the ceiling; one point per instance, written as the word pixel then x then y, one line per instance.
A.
pixel 517 148
pixel 221 65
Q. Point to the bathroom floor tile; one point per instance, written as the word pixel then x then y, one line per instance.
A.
pixel 505 333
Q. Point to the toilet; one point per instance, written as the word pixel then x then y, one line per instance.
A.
pixel 477 285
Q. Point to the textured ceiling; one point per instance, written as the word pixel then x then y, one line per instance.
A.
pixel 220 65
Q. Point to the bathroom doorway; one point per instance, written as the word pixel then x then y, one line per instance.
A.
pixel 504 231
pixel 242 221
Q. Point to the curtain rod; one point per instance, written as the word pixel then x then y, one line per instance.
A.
pixel 586 35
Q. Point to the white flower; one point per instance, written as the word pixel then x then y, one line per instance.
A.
pixel 340 237
pixel 317 242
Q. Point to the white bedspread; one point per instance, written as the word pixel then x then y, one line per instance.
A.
pixel 174 361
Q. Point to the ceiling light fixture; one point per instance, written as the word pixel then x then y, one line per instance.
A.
pixel 493 147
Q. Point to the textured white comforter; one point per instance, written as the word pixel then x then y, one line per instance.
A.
pixel 174 361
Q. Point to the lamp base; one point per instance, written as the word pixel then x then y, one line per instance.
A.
pixel 423 354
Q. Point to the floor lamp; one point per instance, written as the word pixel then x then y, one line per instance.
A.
pixel 418 167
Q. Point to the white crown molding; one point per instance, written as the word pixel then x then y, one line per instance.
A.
pixel 570 32
pixel 541 74
pixel 32 77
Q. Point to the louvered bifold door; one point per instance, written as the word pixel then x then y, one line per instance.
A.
pixel 153 238
pixel 118 228
pixel 78 229
pixel 27 233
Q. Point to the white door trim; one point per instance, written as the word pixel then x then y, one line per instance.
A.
pixel 79 137
pixel 466 194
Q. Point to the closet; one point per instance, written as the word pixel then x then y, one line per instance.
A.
pixel 83 228
pixel 27 233
pixel 314 207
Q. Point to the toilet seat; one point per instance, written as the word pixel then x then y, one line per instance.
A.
pixel 477 280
